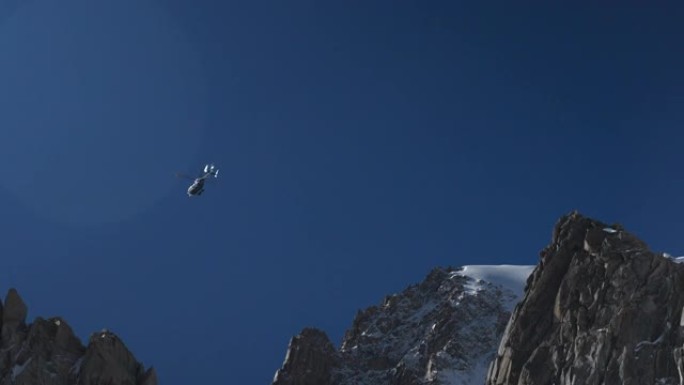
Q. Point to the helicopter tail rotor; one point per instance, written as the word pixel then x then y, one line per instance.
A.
pixel 210 169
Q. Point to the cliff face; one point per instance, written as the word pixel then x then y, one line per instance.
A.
pixel 600 309
pixel 443 331
pixel 47 352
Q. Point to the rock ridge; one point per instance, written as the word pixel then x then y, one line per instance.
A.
pixel 47 352
pixel 444 330
pixel 600 308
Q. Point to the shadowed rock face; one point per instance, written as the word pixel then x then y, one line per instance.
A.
pixel 600 308
pixel 47 352
pixel 310 360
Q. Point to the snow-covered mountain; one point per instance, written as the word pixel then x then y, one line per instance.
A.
pixel 600 308
pixel 444 330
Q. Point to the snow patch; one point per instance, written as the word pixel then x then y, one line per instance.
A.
pixel 610 230
pixel 18 369
pixel 511 277
pixel 76 368
pixel 658 341
pixel 674 259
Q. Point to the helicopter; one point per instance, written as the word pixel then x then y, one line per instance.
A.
pixel 197 186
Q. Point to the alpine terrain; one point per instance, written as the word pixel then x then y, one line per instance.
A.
pixel 599 308
pixel 46 352
pixel 443 331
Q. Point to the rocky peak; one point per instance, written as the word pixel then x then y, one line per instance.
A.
pixel 442 331
pixel 309 361
pixel 47 352
pixel 108 361
pixel 600 308
pixel 13 314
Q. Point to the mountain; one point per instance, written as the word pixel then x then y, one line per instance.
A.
pixel 47 352
pixel 444 330
pixel 598 308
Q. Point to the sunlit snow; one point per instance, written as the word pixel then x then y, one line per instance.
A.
pixel 675 259
pixel 511 277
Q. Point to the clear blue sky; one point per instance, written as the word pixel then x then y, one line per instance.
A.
pixel 360 143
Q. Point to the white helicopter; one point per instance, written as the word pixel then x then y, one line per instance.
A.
pixel 197 186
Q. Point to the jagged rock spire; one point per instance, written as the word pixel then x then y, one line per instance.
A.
pixel 309 360
pixel 14 314
pixel 47 352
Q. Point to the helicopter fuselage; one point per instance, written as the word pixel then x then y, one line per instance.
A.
pixel 197 187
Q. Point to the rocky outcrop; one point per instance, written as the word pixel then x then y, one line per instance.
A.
pixel 13 315
pixel 108 361
pixel 310 360
pixel 600 308
pixel 442 331
pixel 47 352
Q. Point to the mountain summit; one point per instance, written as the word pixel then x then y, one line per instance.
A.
pixel 599 308
pixel 444 330
pixel 47 352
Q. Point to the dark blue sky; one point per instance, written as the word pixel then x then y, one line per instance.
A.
pixel 360 145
